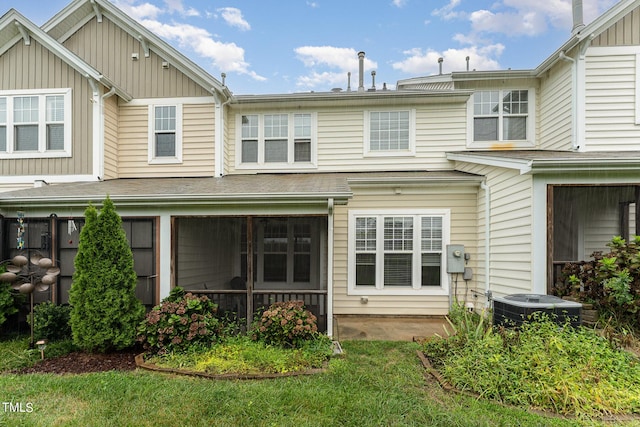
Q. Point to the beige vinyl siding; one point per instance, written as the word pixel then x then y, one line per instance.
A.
pixel 197 143
pixel 556 108
pixel 35 67
pixel 511 205
pixel 625 32
pixel 111 137
pixel 461 200
pixel 108 49
pixel 610 102
pixel 340 139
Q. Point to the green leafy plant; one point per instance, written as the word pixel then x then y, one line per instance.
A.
pixel 9 299
pixel 51 321
pixel 182 321
pixel 105 311
pixel 286 324
pixel 610 281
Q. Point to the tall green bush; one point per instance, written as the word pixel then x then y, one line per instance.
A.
pixel 105 311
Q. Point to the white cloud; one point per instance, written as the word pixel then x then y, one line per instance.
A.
pixel 340 59
pixel 177 6
pixel 447 12
pixel 419 62
pixel 313 4
pixel 233 17
pixel 399 3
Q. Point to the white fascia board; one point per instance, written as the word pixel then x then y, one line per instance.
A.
pixel 524 166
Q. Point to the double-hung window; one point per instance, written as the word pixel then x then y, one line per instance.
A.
pixel 276 140
pixel 389 132
pixel 502 116
pixel 35 124
pixel 165 133
pixel 397 252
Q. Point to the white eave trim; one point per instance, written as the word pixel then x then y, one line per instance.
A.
pixel 521 165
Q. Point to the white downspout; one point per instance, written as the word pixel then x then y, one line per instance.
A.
pixel 219 134
pixel 487 241
pixel 330 267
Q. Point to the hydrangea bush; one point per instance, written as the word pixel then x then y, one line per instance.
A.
pixel 286 324
pixel 181 322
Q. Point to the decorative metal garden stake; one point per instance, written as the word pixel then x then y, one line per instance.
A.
pixel 29 275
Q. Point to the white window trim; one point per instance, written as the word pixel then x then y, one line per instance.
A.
pixel 638 88
pixel 531 124
pixel 290 163
pixel 41 152
pixel 379 289
pixel 153 160
pixel 411 151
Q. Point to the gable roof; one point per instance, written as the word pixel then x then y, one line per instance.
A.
pixel 79 12
pixel 15 28
pixel 598 26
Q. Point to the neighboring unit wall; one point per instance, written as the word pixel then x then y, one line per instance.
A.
pixel 556 94
pixel 462 202
pixel 511 226
pixel 197 143
pixel 47 71
pixel 611 115
pixel 109 49
pixel 111 137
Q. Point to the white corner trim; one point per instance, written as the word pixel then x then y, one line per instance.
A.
pixel 638 88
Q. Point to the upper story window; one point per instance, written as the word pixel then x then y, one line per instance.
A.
pixel 397 252
pixel 502 117
pixel 35 123
pixel 165 133
pixel 277 140
pixel 390 132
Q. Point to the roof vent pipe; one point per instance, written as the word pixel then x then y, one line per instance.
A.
pixel 349 81
pixel 467 59
pixel 440 60
pixel 361 72
pixel 373 80
pixel 224 78
pixel 578 20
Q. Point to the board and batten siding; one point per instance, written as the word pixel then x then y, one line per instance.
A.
pixel 110 109
pixel 555 119
pixel 625 32
pixel 108 48
pixel 340 139
pixel 610 99
pixel 511 229
pixel 462 202
pixel 35 67
pixel 197 143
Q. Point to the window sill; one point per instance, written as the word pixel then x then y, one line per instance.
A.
pixel 500 145
pixel 427 291
pixel 35 155
pixel 276 166
pixel 403 153
pixel 163 161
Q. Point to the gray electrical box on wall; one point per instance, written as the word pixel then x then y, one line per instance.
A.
pixel 455 258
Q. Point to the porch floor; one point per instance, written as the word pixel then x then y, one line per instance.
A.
pixel 386 328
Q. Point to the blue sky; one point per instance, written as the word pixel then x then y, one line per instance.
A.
pixel 282 46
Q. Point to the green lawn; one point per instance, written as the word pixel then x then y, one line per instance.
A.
pixel 373 384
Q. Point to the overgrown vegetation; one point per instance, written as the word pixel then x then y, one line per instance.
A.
pixel 374 384
pixel 611 281
pixel 540 365
pixel 105 311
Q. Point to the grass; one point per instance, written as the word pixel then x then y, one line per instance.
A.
pixel 374 384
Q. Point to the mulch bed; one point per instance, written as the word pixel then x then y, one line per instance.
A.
pixel 80 363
